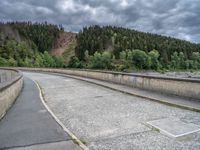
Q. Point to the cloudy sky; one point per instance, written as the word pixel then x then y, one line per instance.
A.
pixel 178 18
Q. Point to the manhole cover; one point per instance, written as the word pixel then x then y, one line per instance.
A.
pixel 174 127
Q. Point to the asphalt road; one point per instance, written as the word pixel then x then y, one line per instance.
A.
pixel 29 126
pixel 109 120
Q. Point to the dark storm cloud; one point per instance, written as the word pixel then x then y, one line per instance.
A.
pixel 178 18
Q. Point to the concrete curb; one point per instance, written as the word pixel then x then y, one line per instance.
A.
pixel 74 138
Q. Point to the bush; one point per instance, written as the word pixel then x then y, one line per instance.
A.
pixel 179 61
pixel 155 64
pixel 39 60
pixel 101 61
pixel 48 60
pixel 122 55
pixel 59 61
pixel 175 61
pixel 74 62
pixel 107 60
pixel 3 62
pixel 196 60
pixel 12 62
pixel 28 62
pixel 120 67
pixel 140 59
pixel 189 64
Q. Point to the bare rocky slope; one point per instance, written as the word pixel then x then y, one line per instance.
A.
pixel 62 42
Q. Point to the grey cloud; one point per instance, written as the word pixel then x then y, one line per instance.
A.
pixel 178 18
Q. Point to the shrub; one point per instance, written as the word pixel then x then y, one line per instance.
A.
pixel 39 60
pixel 12 62
pixel 122 55
pixel 175 61
pixel 140 59
pixel 74 62
pixel 48 60
pixel 155 64
pixel 101 61
pixel 59 61
pixel 3 62
pixel 196 60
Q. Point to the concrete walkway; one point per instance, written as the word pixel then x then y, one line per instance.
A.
pixel 107 119
pixel 29 126
pixel 186 103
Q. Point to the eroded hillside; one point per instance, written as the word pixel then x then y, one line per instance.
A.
pixel 62 43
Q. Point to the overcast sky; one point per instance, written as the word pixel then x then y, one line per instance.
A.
pixel 178 18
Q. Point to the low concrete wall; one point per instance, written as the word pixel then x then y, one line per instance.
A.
pixel 189 88
pixel 11 82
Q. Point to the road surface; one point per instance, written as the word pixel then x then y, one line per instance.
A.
pixel 29 126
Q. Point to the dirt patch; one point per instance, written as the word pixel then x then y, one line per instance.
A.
pixel 62 42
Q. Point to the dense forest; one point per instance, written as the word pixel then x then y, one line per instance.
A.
pixel 42 34
pixel 114 48
pixel 26 44
pixel 117 39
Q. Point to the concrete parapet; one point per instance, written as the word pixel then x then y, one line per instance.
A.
pixel 185 87
pixel 11 82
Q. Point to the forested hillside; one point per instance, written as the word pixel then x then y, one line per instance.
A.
pixel 114 48
pixel 26 44
pixel 118 39
pixel 42 34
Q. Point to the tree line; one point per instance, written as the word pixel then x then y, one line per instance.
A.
pixel 22 54
pixel 117 39
pixel 96 47
pixel 42 34
pixel 136 60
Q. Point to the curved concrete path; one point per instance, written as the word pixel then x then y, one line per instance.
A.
pixel 109 120
pixel 29 126
pixel 176 101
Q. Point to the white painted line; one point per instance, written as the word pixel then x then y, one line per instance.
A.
pixel 161 130
pixel 84 147
pixel 170 134
pixel 188 133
